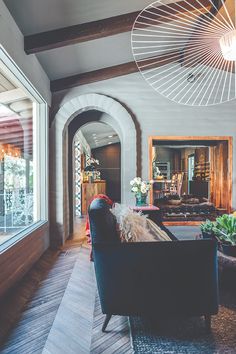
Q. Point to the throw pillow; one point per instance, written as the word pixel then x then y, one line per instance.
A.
pixel 157 232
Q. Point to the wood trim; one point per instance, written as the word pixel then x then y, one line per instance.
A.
pixel 190 137
pixel 230 172
pixel 102 28
pixel 229 139
pixel 182 223
pixel 110 72
pixel 150 169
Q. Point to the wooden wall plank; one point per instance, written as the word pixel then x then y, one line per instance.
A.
pixel 19 258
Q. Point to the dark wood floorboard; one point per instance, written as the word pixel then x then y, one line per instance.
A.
pixel 116 339
pixel 32 306
pixel 71 331
pixel 53 310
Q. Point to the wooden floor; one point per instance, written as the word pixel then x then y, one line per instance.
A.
pixel 53 310
pixel 33 305
pixel 116 340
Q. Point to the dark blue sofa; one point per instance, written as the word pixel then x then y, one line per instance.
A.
pixel 160 279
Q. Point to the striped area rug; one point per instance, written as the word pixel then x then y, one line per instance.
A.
pixel 35 305
pixel 116 340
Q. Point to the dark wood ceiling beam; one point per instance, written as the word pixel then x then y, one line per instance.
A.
pixel 216 6
pixel 110 72
pixel 102 28
pixel 79 33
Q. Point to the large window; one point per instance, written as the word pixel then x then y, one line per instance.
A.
pixel 23 145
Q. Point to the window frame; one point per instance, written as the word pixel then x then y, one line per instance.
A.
pixel 40 121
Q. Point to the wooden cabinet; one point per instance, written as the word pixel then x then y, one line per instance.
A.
pixel 89 190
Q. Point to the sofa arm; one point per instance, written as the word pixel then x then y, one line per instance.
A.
pixel 164 278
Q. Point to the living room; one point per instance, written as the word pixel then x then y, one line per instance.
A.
pixel 161 78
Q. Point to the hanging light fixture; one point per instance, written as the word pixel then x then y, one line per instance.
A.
pixel 228 45
pixel 9 150
pixel 186 50
pixel 2 152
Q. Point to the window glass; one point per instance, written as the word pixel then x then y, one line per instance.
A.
pixel 18 151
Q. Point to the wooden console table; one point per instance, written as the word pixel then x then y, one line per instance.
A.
pixel 88 191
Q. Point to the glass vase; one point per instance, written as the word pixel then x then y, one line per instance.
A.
pixel 141 199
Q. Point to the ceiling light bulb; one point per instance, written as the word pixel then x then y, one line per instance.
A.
pixel 228 45
pixel 110 136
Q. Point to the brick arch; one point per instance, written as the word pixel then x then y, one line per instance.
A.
pixel 120 120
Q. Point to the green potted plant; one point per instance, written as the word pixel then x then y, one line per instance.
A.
pixel 207 229
pixel 225 229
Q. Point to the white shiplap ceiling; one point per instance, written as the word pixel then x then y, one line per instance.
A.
pixel 34 16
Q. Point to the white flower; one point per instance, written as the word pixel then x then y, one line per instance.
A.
pixel 143 190
pixel 132 182
pixel 135 189
pixel 138 180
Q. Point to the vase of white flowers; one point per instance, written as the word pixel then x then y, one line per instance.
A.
pixel 140 189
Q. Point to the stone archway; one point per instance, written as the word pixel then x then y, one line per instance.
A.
pixel 120 120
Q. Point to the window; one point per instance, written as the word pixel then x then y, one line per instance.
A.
pixel 191 167
pixel 23 158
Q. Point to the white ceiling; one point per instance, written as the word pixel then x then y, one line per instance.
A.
pixel 87 56
pixel 102 131
pixel 34 16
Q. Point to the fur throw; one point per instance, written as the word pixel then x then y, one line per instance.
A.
pixel 135 227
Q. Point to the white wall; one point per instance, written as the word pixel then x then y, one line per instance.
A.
pixel 12 40
pixel 156 115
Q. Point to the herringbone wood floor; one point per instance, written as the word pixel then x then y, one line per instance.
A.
pixel 53 309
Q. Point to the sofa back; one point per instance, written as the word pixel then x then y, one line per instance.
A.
pixel 102 223
pixel 164 278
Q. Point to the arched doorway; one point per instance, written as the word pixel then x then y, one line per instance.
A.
pixel 116 116
pixel 98 140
